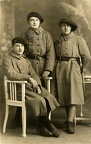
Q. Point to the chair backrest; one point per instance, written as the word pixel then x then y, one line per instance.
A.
pixel 14 90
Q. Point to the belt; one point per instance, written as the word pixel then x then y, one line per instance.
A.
pixel 36 57
pixel 62 58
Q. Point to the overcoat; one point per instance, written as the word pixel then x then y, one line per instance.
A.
pixel 68 73
pixel 39 42
pixel 20 68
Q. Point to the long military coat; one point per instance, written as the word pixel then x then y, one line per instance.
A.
pixel 68 75
pixel 40 42
pixel 20 68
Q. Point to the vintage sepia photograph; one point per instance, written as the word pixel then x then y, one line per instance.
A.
pixel 45 71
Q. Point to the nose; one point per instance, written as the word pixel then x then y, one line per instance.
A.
pixel 66 26
pixel 20 47
pixel 34 21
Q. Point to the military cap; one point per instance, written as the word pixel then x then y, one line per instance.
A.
pixel 67 21
pixel 35 14
pixel 18 40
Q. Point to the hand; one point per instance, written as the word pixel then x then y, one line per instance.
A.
pixel 45 74
pixel 34 83
pixel 38 90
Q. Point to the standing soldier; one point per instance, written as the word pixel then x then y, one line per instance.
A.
pixel 71 54
pixel 40 48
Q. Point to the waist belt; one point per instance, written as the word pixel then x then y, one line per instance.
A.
pixel 62 58
pixel 36 57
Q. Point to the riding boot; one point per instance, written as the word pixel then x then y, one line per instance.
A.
pixel 42 130
pixel 48 124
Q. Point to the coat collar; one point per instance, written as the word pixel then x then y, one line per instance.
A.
pixel 12 53
pixel 66 37
pixel 38 31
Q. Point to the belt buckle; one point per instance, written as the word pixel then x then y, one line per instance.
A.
pixel 39 58
pixel 36 57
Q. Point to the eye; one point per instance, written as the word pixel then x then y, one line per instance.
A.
pixel 62 25
pixel 37 19
pixel 31 19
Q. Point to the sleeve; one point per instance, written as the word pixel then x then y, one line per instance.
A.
pixel 50 53
pixel 33 74
pixel 25 37
pixel 84 51
pixel 10 71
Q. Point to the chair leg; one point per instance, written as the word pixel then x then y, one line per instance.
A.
pixel 24 121
pixel 48 88
pixel 49 116
pixel 74 120
pixel 6 118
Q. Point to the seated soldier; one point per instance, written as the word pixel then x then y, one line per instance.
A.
pixel 17 67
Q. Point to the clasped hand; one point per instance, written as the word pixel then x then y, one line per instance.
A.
pixel 35 85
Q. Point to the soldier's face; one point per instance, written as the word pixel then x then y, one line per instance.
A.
pixel 18 48
pixel 65 28
pixel 34 22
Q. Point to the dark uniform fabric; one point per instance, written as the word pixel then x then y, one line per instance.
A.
pixel 20 68
pixel 35 14
pixel 39 42
pixel 70 22
pixel 68 73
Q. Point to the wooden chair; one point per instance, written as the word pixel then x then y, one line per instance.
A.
pixel 11 99
pixel 48 88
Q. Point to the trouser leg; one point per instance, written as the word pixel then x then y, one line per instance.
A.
pixel 47 123
pixel 44 119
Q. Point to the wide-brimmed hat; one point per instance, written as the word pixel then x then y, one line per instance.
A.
pixel 18 40
pixel 35 14
pixel 70 22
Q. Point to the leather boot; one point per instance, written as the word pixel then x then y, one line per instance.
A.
pixel 42 130
pixel 49 126
pixel 70 127
pixel 53 130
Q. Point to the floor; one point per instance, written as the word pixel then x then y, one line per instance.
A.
pixel 81 136
pixel 13 136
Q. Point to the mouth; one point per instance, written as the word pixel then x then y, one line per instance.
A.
pixel 35 25
pixel 66 31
